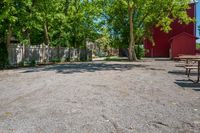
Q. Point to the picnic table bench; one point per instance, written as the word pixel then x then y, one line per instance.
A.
pixel 189 66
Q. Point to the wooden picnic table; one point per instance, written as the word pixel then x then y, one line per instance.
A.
pixel 195 58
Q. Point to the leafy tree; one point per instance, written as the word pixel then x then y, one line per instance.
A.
pixel 142 16
pixel 104 42
pixel 7 17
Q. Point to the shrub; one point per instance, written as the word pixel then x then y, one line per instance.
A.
pixel 198 45
pixel 3 56
pixel 21 64
pixel 139 50
pixel 32 63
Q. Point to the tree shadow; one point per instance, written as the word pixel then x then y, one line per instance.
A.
pixel 84 67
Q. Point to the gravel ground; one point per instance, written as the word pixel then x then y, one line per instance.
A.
pixel 152 96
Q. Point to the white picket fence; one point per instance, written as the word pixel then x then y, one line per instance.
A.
pixel 39 53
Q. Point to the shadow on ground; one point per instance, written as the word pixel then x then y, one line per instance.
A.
pixel 188 84
pixel 181 72
pixel 84 67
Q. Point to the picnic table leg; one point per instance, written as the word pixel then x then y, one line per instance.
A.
pixel 186 71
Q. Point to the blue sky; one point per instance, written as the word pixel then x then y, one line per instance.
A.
pixel 198 20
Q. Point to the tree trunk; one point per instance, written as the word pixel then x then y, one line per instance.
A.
pixel 9 48
pixel 131 51
pixel 9 35
pixel 47 42
pixel 3 50
pixel 134 54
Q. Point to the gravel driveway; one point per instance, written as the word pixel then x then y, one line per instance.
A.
pixel 152 96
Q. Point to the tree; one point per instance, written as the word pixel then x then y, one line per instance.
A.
pixel 142 16
pixel 104 42
pixel 7 17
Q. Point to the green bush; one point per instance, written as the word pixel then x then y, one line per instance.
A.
pixel 68 59
pixel 3 56
pixel 140 52
pixel 32 63
pixel 27 63
pixel 21 64
pixel 198 45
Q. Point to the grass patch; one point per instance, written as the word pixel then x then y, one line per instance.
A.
pixel 198 45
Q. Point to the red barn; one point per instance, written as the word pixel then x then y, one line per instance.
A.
pixel 180 40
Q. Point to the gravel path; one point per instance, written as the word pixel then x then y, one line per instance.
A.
pixel 152 96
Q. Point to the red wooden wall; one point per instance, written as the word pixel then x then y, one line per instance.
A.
pixel 183 44
pixel 162 40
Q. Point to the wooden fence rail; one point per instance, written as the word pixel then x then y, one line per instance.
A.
pixel 41 53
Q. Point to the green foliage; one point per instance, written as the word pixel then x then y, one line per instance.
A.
pixel 28 63
pixel 33 63
pixel 3 47
pixel 68 22
pixel 104 42
pixel 198 45
pixel 140 51
pixel 21 64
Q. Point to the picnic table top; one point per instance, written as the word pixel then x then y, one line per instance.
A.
pixel 189 57
pixel 195 59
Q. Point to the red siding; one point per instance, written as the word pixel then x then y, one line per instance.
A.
pixel 162 40
pixel 183 44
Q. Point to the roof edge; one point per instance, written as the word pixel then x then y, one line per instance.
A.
pixel 192 36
